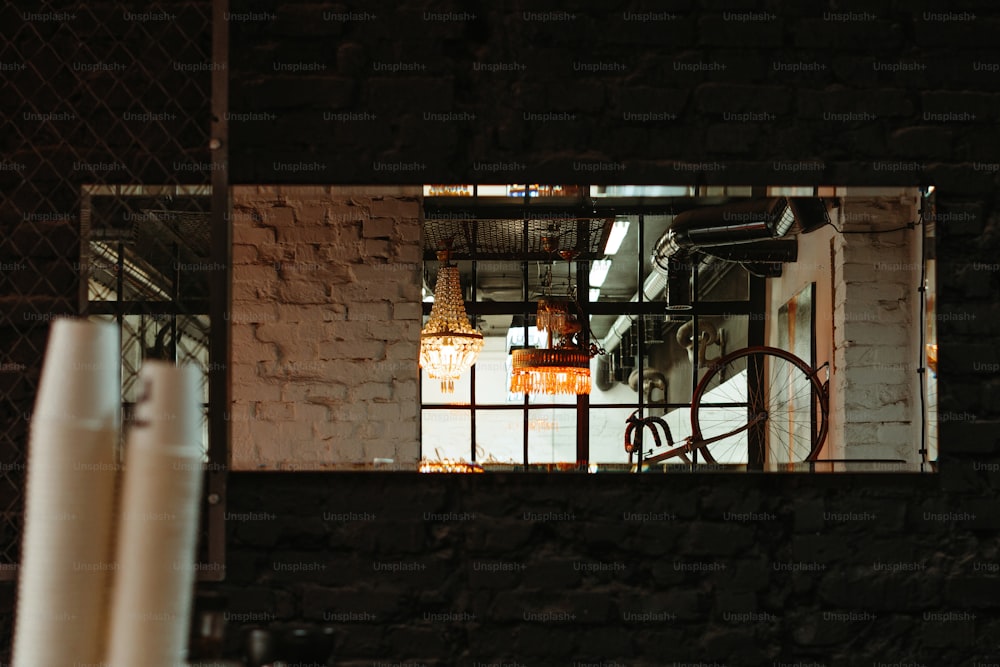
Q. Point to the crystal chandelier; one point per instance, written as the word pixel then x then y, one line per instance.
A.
pixel 562 368
pixel 449 346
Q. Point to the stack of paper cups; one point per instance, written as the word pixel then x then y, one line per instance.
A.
pixel 158 528
pixel 69 518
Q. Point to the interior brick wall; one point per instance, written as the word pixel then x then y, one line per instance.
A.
pixel 325 326
pixel 840 570
pixel 876 318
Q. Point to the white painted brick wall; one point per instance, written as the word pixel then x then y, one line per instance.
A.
pixel 325 326
pixel 875 349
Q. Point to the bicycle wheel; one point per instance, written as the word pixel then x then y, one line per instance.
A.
pixel 760 406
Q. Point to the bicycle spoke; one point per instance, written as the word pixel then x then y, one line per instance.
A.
pixel 773 382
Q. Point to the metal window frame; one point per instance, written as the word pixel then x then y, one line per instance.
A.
pixel 755 303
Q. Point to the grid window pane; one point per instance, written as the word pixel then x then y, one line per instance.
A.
pixel 499 436
pixel 445 434
pixel 551 435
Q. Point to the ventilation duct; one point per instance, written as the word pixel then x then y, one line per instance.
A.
pixel 653 289
pixel 776 250
pixel 731 224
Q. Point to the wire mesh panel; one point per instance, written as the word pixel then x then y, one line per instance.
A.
pixel 106 198
pixel 504 238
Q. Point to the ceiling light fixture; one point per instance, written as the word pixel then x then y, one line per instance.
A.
pixel 449 346
pixel 563 367
pixel 599 271
pixel 619 230
pixel 810 212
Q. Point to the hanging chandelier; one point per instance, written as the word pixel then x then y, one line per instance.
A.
pixel 563 367
pixel 449 346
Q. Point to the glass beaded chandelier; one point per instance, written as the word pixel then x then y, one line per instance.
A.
pixel 449 346
pixel 562 368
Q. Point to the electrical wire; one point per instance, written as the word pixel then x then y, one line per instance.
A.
pixel 921 368
pixel 909 225
pixel 751 272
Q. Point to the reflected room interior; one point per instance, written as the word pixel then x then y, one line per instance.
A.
pixel 667 284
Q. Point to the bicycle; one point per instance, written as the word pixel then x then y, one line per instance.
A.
pixel 762 406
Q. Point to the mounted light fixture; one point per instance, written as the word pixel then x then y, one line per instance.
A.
pixel 599 271
pixel 449 346
pixel 748 231
pixel 810 212
pixel 619 230
pixel 564 367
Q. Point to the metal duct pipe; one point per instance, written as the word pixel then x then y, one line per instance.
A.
pixel 743 222
pixel 776 250
pixel 603 379
pixel 653 288
pixel 738 227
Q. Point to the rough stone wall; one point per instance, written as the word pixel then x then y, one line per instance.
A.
pixel 325 326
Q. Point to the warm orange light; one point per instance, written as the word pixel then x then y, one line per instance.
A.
pixel 932 356
pixel 449 465
pixel 550 372
pixel 449 346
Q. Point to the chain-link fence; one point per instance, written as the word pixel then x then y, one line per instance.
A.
pixel 106 200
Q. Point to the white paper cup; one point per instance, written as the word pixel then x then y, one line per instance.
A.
pixel 67 547
pixel 158 526
pixel 167 412
pixel 81 375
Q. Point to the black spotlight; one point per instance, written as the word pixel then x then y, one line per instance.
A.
pixel 810 213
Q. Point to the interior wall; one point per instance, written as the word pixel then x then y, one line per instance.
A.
pixel 813 265
pixel 867 314
pixel 325 326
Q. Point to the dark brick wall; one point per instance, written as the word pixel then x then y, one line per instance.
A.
pixel 886 99
pixel 735 569
pixel 912 575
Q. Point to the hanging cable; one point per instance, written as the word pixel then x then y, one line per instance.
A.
pixel 921 369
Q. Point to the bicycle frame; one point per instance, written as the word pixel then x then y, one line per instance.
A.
pixel 820 390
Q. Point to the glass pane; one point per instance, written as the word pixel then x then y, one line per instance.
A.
pixel 500 436
pixel 607 435
pixel 556 279
pixel 155 246
pixel 654 280
pixel 433 393
pixel 204 434
pixel 446 434
pixel 494 367
pixel 721 335
pixel 191 347
pixel 496 280
pixel 442 190
pixel 610 372
pixel 719 420
pixel 617 246
pixel 101 271
pixel 719 280
pixel 667 364
pixel 138 333
pixel 556 191
pixel 552 435
pixel 598 191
